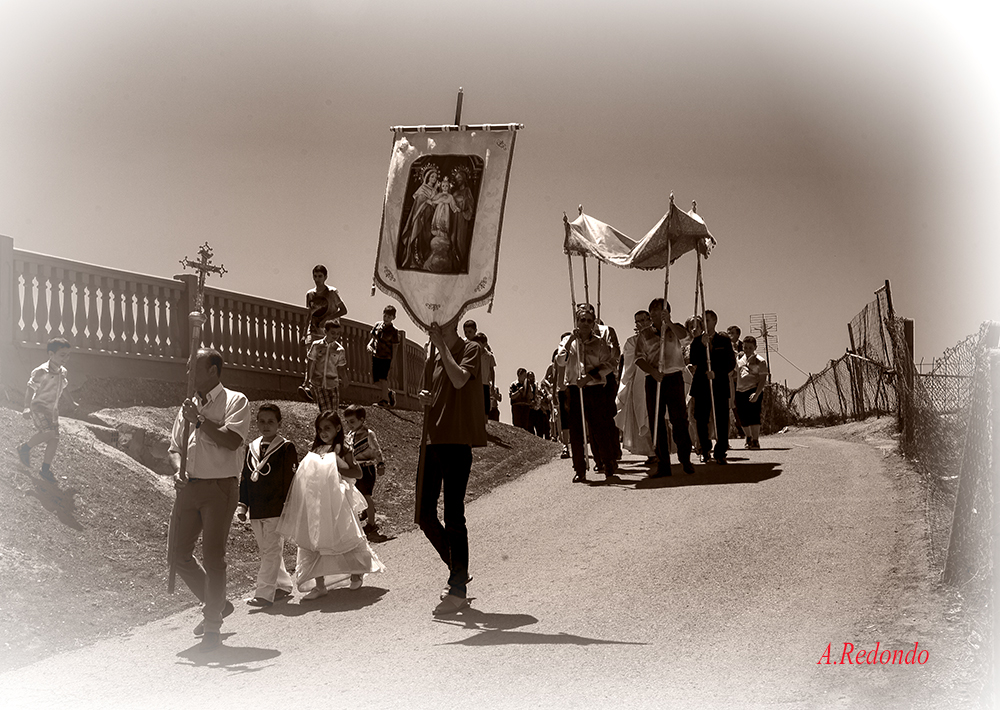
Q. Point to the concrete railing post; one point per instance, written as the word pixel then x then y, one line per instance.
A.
pixel 8 300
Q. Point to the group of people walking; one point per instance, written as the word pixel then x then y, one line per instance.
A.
pixel 671 388
pixel 318 502
pixel 595 394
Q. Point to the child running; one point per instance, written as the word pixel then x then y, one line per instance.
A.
pixel 320 515
pixel 48 384
pixel 363 444
pixel 268 470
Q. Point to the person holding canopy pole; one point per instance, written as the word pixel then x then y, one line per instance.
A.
pixel 662 359
pixel 674 235
pixel 588 360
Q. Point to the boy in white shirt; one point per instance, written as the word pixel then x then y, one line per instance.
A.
pixel 48 384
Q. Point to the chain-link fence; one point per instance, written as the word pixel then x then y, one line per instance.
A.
pixel 949 423
pixel 849 388
pixel 969 557
pixel 940 413
pixel 776 411
pixel 867 330
pixel 860 383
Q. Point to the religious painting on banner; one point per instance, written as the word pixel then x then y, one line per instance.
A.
pixel 442 218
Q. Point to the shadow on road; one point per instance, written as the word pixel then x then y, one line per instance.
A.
pixel 711 475
pixel 337 600
pixel 496 630
pixel 234 659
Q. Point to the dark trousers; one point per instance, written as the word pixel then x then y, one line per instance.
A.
pixel 702 412
pixel 447 466
pixel 204 507
pixel 540 423
pixel 600 428
pixel 520 416
pixel 673 405
pixel 486 399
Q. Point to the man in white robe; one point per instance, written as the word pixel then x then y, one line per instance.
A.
pixel 632 417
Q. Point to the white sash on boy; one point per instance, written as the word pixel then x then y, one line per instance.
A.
pixel 259 463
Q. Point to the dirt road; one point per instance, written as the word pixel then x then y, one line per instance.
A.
pixel 718 590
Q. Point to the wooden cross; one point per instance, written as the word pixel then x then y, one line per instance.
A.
pixel 203 266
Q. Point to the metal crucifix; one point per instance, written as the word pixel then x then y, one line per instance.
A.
pixel 203 267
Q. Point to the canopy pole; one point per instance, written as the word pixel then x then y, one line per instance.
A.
pixel 708 349
pixel 697 281
pixel 569 260
pixel 581 350
pixel 598 289
pixel 660 365
pixel 586 281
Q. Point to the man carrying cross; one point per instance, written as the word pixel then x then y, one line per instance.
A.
pixel 206 455
pixel 218 421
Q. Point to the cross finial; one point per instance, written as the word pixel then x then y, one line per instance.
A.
pixel 203 266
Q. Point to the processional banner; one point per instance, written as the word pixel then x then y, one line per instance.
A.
pixel 683 231
pixel 441 220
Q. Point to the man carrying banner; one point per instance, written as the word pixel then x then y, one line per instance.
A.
pixel 455 422
pixel 438 250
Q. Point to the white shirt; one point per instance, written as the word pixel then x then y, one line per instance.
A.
pixel 205 458
pixel 750 372
pixel 328 357
pixel 48 381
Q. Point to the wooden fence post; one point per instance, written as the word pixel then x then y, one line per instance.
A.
pixel 840 394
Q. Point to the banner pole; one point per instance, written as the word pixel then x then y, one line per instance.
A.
pixel 458 107
pixel 422 457
pixel 586 281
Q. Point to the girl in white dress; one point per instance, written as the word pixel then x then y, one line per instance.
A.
pixel 321 515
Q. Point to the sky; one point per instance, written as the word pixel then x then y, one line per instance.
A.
pixel 829 146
